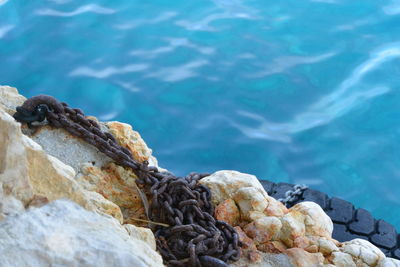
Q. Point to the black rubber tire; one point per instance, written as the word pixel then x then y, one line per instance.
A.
pixel 348 222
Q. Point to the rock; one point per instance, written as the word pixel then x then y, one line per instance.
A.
pixel 224 184
pixel 228 212
pixel 264 229
pixel 132 140
pixel 250 199
pixel 144 234
pixel 117 185
pixel 266 260
pixel 364 251
pixel 341 259
pixel 28 173
pixel 388 262
pixel 292 227
pixel 325 246
pixel 9 205
pixel 316 222
pixel 272 247
pixel 275 208
pixel 71 150
pixel 64 234
pixel 10 99
pixel 301 258
pixel 247 242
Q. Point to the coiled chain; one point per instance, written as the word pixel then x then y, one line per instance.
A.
pixel 194 237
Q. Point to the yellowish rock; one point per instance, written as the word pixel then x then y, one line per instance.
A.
pixel 316 222
pixel 250 199
pixel 325 246
pixel 292 227
pixel 228 212
pixel 132 140
pixel 27 172
pixel 264 229
pixel 140 233
pixel 117 185
pixel 247 242
pixel 275 208
pixel 341 259
pixel 302 258
pixel 10 99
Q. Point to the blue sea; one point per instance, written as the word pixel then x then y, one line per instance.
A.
pixel 290 91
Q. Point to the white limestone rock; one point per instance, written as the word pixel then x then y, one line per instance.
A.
pixel 364 251
pixel 224 184
pixel 64 234
pixel 389 262
pixel 10 99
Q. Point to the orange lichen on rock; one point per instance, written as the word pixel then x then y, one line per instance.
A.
pixel 228 212
pixel 116 184
pixel 130 139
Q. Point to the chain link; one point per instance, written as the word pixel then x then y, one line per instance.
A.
pixel 293 195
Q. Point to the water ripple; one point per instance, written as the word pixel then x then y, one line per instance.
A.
pixel 393 8
pixel 131 24
pixel 107 72
pixel 284 63
pixel 329 107
pixel 173 43
pixel 204 24
pixel 178 73
pixel 91 8
pixel 5 29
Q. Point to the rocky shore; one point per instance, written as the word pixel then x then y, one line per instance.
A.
pixel 63 203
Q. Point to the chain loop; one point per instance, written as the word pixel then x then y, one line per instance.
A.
pixel 293 195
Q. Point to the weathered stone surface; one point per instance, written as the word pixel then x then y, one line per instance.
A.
pixel 266 260
pixel 64 234
pixel 250 199
pixel 364 251
pixel 144 234
pixel 27 172
pixel 264 229
pixel 388 262
pixel 325 246
pixel 132 140
pixel 71 150
pixel 341 259
pixel 302 258
pixel 292 227
pixel 228 212
pixel 117 185
pixel 10 99
pixel 316 222
pixel 224 184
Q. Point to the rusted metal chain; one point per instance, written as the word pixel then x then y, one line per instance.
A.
pixel 195 237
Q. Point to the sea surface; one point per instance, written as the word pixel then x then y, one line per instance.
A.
pixel 290 91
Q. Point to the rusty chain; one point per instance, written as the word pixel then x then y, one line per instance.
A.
pixel 195 237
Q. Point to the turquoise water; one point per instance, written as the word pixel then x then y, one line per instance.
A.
pixel 292 91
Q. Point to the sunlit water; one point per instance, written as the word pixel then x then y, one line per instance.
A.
pixel 292 91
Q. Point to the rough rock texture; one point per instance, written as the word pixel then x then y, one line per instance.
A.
pixel 64 234
pixel 28 173
pixel 303 233
pixel 37 168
